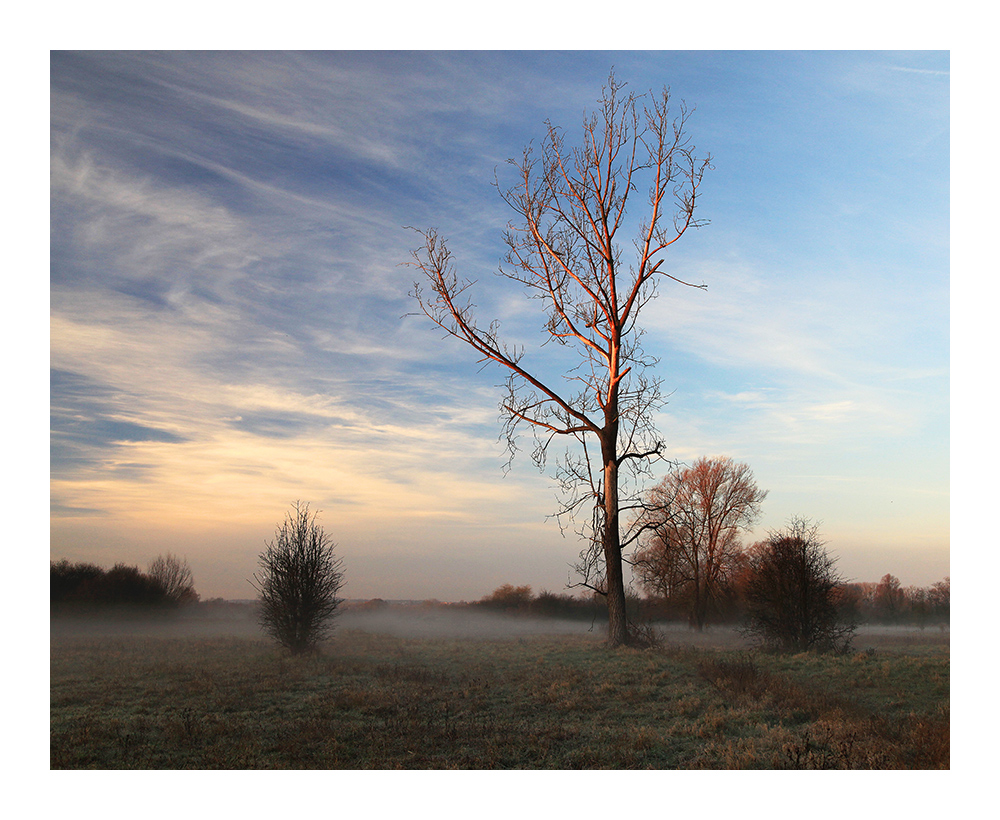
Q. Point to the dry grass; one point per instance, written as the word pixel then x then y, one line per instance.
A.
pixel 376 701
pixel 888 728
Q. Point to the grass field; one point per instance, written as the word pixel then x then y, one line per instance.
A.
pixel 372 700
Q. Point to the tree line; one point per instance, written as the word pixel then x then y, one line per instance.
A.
pixel 84 587
pixel 885 602
pixel 510 599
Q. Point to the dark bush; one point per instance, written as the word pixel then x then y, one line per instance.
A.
pixel 793 595
pixel 123 584
pixel 66 580
pixel 87 587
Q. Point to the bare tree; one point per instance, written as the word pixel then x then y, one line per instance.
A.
pixel 298 582
pixel 939 600
pixel 563 248
pixel 793 593
pixel 888 599
pixel 174 575
pixel 692 521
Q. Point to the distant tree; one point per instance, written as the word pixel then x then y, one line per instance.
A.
pixel 548 603
pixel 939 600
pixel 660 567
pixel 551 604
pixel 298 582
pixel 863 593
pixel 889 600
pixel 850 604
pixel 174 575
pixel 793 594
pixel 564 249
pixel 508 597
pixel 916 605
pixel 692 522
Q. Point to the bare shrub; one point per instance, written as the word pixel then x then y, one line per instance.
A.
pixel 643 635
pixel 298 582
pixel 174 575
pixel 838 745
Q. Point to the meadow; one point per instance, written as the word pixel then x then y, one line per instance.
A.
pixel 521 696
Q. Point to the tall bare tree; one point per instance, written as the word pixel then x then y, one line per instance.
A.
pixel 692 522
pixel 563 248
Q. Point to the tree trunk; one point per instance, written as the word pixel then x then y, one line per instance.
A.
pixel 617 618
pixel 700 606
pixel 696 618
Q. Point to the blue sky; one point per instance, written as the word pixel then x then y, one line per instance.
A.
pixel 231 331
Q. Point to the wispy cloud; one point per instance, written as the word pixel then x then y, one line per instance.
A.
pixel 910 70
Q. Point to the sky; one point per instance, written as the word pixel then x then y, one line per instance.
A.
pixel 231 330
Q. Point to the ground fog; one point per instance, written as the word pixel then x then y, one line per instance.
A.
pixel 422 621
